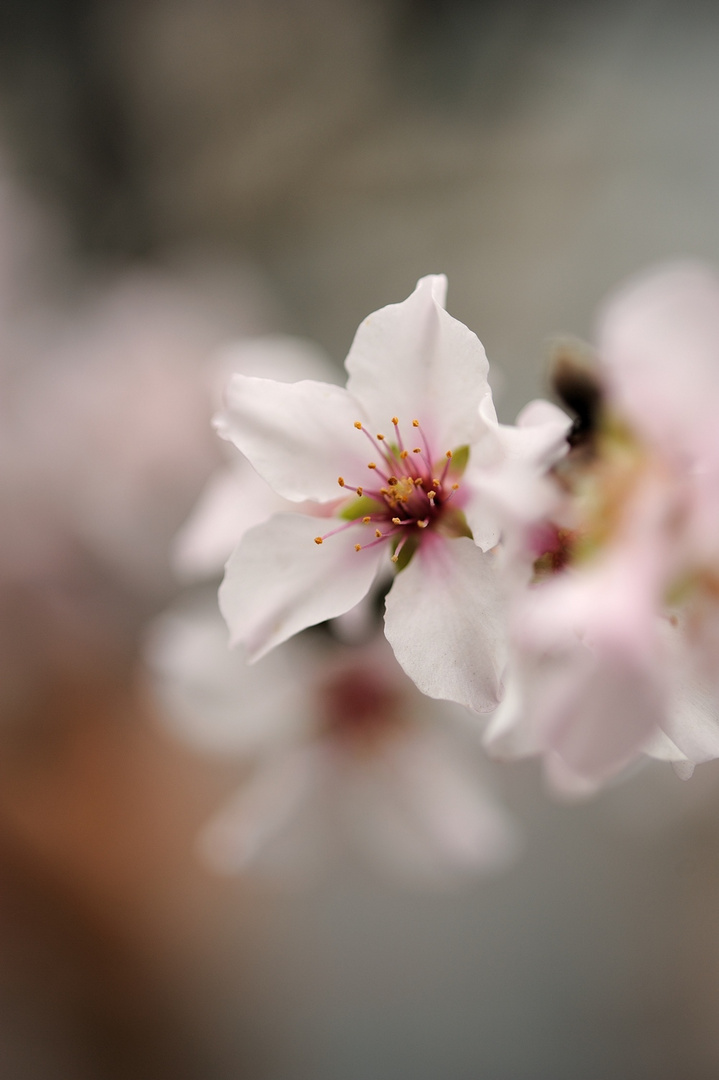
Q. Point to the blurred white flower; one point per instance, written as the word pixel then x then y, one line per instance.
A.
pixel 343 749
pixel 236 497
pixel 615 651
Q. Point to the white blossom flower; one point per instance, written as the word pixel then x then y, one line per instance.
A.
pixel 387 456
pixel 340 747
pixel 615 654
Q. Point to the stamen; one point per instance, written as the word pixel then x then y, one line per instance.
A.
pixel 366 520
pixel 417 450
pixel 371 465
pixel 381 438
pixel 358 425
pixel 400 444
pixel 447 464
pixel 358 547
pixel 423 524
pixel 333 532
pixel 377 532
pixel 415 423
pixel 398 549
pixel 341 481
pixel 403 454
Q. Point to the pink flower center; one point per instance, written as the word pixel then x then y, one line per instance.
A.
pixel 360 707
pixel 412 494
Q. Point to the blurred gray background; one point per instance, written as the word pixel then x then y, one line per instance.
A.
pixel 329 153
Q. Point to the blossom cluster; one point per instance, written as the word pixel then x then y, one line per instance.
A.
pixel 560 574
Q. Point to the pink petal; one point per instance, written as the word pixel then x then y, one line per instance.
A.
pixel 659 341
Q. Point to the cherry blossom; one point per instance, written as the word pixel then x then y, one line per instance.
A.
pixel 614 647
pixel 399 458
pixel 340 747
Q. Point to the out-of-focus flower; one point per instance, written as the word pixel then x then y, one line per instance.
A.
pixel 418 395
pixel 341 748
pixel 615 648
pixel 236 497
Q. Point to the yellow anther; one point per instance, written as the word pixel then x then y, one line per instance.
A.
pixel 448 454
pixel 395 420
pixel 341 481
pixel 419 481
pixel 417 450
pixel 436 483
pixel 415 423
pixel 455 487
pixel 396 521
pixel 366 520
pixel 395 558
pixel 358 547
pixel 403 454
pixel 381 438
pixel 372 465
pixel 377 533
pixel 431 495
pixel 318 539
pixel 391 480
pixel 423 524
pixel 358 425
pixel 359 492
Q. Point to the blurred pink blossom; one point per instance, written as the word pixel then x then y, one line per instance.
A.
pixel 341 748
pixel 615 653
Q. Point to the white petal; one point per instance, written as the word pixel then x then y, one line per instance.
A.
pixel 540 434
pixel 506 482
pixel 444 621
pixel 426 816
pixel 238 836
pixel 693 723
pixel 233 501
pixel 213 699
pixel 507 735
pixel 299 436
pixel 278 581
pixel 413 360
